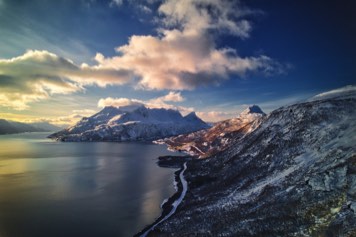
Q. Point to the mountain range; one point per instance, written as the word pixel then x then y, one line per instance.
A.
pixel 131 123
pixel 293 175
pixel 12 127
pixel 209 141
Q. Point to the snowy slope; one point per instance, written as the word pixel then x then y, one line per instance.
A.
pixel 294 175
pixel 210 141
pixel 131 124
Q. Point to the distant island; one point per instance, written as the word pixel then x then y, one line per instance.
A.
pixel 12 127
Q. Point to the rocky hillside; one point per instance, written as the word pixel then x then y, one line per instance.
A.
pixel 295 175
pixel 207 142
pixel 131 124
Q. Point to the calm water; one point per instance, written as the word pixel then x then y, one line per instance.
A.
pixel 79 189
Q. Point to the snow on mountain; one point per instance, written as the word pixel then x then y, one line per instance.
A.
pixel 347 91
pixel 294 175
pixel 131 123
pixel 206 142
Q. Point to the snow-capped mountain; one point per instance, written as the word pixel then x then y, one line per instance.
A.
pixel 133 123
pixel 294 175
pixel 207 142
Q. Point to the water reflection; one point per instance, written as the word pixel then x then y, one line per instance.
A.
pixel 79 189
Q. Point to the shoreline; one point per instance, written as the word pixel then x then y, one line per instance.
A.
pixel 170 205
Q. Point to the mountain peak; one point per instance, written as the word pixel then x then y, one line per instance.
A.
pixel 253 109
pixel 191 115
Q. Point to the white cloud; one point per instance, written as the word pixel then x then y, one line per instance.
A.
pixel 116 2
pixel 215 116
pixel 172 97
pixel 119 102
pixel 159 102
pixel 343 91
pixel 145 9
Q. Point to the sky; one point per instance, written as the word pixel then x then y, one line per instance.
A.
pixel 61 60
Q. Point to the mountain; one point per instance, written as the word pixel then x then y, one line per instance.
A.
pixel 294 175
pixel 207 142
pixel 11 127
pixel 46 126
pixel 131 123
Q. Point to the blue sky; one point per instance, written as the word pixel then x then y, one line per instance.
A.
pixel 60 60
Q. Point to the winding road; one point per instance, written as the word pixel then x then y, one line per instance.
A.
pixel 176 203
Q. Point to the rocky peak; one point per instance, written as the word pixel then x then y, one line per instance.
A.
pixel 253 109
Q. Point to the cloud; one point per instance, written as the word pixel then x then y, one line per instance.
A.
pixel 159 102
pixel 116 3
pixel 343 91
pixel 84 112
pixel 36 75
pixel 171 96
pixel 66 120
pixel 119 102
pixel 198 16
pixel 62 121
pixel 184 55
pixel 145 9
pixel 215 116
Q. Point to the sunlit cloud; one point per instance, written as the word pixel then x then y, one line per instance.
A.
pixel 216 116
pixel 61 121
pixel 170 97
pixel 64 120
pixel 84 112
pixel 184 55
pixel 37 75
pixel 119 102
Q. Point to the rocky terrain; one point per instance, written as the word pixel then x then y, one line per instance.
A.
pixel 131 124
pixel 208 142
pixel 294 175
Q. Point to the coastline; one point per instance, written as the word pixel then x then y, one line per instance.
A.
pixel 170 205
